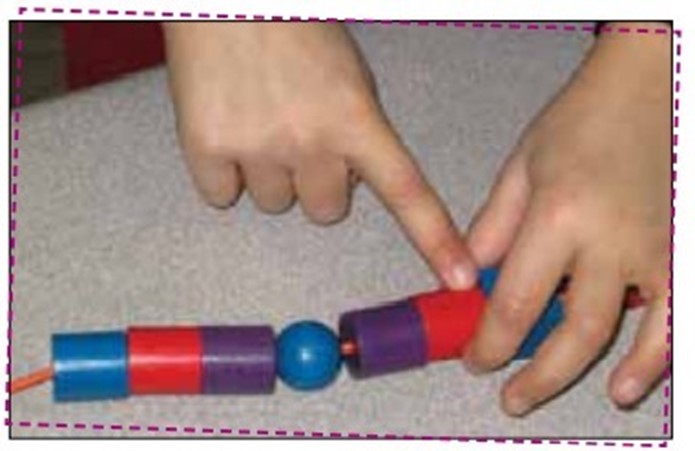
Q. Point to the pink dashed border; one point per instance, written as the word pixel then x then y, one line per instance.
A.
pixel 16 102
pixel 666 428
pixel 547 26
pixel 282 433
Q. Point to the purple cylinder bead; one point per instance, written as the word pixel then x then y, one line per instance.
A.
pixel 388 338
pixel 238 359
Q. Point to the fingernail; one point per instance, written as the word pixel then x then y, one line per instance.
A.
pixel 517 406
pixel 629 391
pixel 459 277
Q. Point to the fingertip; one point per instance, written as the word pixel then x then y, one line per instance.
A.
pixel 627 391
pixel 477 361
pixel 516 407
pixel 486 352
pixel 216 181
pixel 278 205
pixel 328 216
pixel 648 361
pixel 513 401
pixel 220 199
pixel 444 249
pixel 270 186
pixel 461 275
pixel 629 386
pixel 219 204
pixel 470 364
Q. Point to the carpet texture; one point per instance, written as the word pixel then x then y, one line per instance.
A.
pixel 110 233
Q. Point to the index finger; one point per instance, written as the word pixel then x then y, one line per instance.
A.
pixel 387 167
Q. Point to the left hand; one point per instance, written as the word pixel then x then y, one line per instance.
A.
pixel 587 193
pixel 290 111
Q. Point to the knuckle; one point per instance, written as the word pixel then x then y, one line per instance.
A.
pixel 244 139
pixel 592 332
pixel 204 140
pixel 297 130
pixel 358 107
pixel 406 189
pixel 354 116
pixel 512 315
pixel 558 211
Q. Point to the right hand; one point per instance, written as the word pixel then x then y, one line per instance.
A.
pixel 290 111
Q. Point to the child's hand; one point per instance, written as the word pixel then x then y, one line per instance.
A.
pixel 290 110
pixel 586 193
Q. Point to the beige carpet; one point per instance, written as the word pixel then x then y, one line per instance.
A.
pixel 110 233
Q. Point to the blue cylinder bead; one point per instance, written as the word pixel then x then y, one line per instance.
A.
pixel 308 355
pixel 90 366
pixel 551 317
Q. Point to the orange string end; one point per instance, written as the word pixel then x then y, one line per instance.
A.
pixel 31 380
pixel 348 348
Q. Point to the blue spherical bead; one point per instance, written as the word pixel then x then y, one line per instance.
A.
pixel 308 355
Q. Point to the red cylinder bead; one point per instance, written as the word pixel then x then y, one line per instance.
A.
pixel 165 360
pixel 449 319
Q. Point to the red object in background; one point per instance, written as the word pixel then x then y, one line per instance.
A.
pixel 633 298
pixel 165 360
pixel 449 319
pixel 96 52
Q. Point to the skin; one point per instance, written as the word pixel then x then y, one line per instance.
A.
pixel 587 192
pixel 289 112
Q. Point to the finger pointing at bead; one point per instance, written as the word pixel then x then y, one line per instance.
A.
pixel 382 161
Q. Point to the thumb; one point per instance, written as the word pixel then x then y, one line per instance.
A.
pixel 495 225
